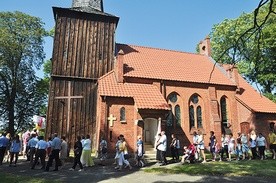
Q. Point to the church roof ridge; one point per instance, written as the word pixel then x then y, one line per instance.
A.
pixel 162 49
pixel 87 10
pixel 106 75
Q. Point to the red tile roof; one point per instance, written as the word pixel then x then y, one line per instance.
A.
pixel 145 96
pixel 253 99
pixel 145 62
pixel 152 63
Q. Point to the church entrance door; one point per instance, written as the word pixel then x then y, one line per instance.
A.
pixel 150 130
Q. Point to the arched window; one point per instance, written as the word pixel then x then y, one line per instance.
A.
pixel 170 119
pixel 122 114
pixel 192 116
pixel 199 117
pixel 177 115
pixel 174 117
pixel 195 111
pixel 223 108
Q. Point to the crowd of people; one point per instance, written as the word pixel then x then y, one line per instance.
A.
pixel 245 146
pixel 36 150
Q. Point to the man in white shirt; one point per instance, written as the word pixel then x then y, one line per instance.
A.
pixel 162 146
pixel 56 146
pixel 31 146
pixel 41 147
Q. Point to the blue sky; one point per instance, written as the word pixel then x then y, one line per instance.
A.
pixel 170 24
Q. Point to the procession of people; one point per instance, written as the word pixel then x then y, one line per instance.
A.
pixel 36 150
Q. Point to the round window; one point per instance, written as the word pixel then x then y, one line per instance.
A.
pixel 195 99
pixel 173 97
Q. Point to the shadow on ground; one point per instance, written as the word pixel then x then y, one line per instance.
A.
pixel 107 173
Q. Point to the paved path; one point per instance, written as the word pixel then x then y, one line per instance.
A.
pixel 104 174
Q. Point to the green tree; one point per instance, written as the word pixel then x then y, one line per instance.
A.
pixel 250 42
pixel 21 52
pixel 44 83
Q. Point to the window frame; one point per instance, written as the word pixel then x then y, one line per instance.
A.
pixel 122 114
pixel 198 119
pixel 224 112
pixel 174 100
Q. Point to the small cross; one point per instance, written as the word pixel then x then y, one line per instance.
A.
pixel 111 118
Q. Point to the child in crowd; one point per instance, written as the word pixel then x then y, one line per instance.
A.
pixel 231 146
pixel 188 154
pixel 140 152
pixel 224 146
pixel 103 151
pixel 253 148
pixel 185 154
pixel 244 148
pixel 239 149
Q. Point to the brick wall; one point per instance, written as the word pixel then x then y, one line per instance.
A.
pixel 211 114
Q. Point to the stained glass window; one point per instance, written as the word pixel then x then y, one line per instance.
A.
pixel 195 99
pixel 223 108
pixel 173 97
pixel 177 115
pixel 199 117
pixel 122 114
pixel 192 116
pixel 170 119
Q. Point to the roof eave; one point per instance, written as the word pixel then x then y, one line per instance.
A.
pixel 244 104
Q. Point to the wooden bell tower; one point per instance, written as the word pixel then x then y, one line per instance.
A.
pixel 83 51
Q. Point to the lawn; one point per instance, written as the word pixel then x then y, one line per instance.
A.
pixel 11 178
pixel 266 168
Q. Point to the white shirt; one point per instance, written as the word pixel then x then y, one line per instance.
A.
pixel 163 143
pixel 87 144
pixel 195 138
pixel 200 140
pixel 244 139
pixel 260 141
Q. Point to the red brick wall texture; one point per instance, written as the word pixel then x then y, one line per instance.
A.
pixel 211 115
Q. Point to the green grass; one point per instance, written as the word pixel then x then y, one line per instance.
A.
pixel 11 178
pixel 266 168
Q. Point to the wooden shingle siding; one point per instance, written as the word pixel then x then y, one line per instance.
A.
pixel 78 51
pixel 83 51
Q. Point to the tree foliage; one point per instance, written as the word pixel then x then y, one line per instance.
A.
pixel 250 42
pixel 21 52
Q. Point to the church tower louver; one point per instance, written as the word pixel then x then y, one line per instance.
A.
pixel 83 51
pixel 95 4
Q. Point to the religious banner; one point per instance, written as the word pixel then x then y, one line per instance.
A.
pixel 40 122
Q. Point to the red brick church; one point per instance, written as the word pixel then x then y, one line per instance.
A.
pixel 105 89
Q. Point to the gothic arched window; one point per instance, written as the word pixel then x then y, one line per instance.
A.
pixel 177 115
pixel 199 117
pixel 195 112
pixel 170 119
pixel 174 116
pixel 224 115
pixel 122 114
pixel 192 116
